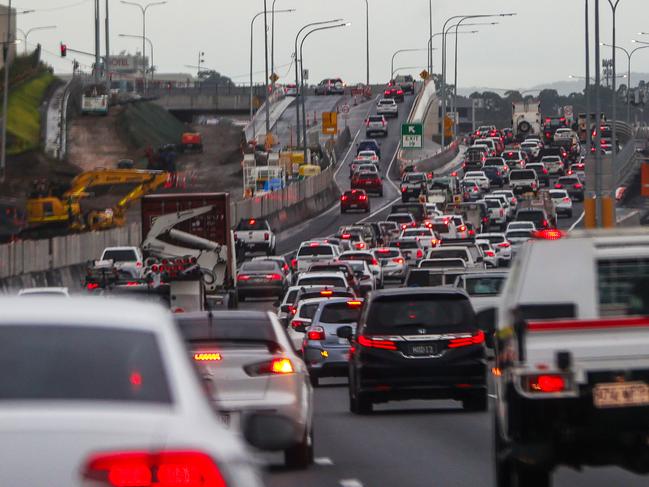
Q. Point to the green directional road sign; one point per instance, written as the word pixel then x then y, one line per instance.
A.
pixel 412 136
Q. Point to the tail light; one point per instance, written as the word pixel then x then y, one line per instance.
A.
pixel 362 197
pixel 277 366
pixel 550 234
pixel 207 357
pixel 578 186
pixel 420 254
pixel 566 200
pixel 485 219
pixel 374 262
pixel 504 245
pixel 274 277
pixel 138 264
pixel 513 201
pixel 243 277
pixel 92 285
pixel 558 186
pixel 461 228
pixel 292 310
pixel 502 212
pixel 475 339
pixel 316 333
pixel 403 190
pixel 400 92
pixel 360 245
pixel 266 236
pixel 545 171
pixel 403 226
pixel 547 383
pixel 294 263
pixel 145 469
pixel 398 260
pixel 344 198
pixel 490 253
pixel 376 342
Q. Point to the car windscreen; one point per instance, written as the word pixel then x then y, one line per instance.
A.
pixel 322 281
pixel 259 266
pixel 530 216
pixel 400 218
pixel 554 194
pixel 76 363
pixel 339 313
pixel 376 119
pixel 484 286
pixel 420 310
pixel 417 233
pixel 366 257
pixel 511 156
pixel 493 203
pixel 315 251
pixel 568 181
pixel 200 329
pixel 414 178
pixel 407 244
pixel 120 255
pixel 440 228
pixel 449 254
pixel 251 225
pixel 386 102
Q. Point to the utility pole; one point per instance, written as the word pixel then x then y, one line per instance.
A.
pixel 430 36
pixel 107 59
pixel 5 97
pixel 97 42
pixel 598 123
pixel 588 127
pixel 266 59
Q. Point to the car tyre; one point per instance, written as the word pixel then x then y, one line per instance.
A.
pixel 478 402
pixel 359 403
pixel 301 454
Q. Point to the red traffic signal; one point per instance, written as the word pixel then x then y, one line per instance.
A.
pixel 64 50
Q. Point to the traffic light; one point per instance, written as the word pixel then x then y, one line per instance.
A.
pixel 64 50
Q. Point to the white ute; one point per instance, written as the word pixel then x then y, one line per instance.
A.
pixel 572 368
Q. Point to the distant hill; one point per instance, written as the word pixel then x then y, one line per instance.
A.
pixel 563 87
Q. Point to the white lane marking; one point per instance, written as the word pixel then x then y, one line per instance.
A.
pixel 387 173
pixel 383 208
pixel 574 225
pixel 323 461
pixel 342 163
pixel 351 483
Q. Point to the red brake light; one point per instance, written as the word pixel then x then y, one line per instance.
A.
pixel 354 304
pixel 398 260
pixel 399 92
pixel 326 293
pixel 461 228
pixel 343 197
pixel 374 262
pixel 550 234
pixel 566 200
pixel 383 251
pixel 362 197
pixel 316 333
pixel 92 285
pixel 420 254
pixel 280 366
pixel 252 221
pixel 293 263
pixel 376 342
pixel 314 244
pixel 359 245
pixel 490 253
pixel 558 185
pixel 547 383
pixel 545 171
pixel 475 339
pixel 274 277
pixel 146 469
pixel 578 186
pixel 504 245
pixel 243 277
pixel 266 236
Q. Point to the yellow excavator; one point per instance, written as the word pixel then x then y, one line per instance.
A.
pixel 44 209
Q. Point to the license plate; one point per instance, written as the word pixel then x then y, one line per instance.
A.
pixel 423 350
pixel 353 206
pixel 343 341
pixel 624 394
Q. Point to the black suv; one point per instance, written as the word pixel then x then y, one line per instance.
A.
pixel 417 344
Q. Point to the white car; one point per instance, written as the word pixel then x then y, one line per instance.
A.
pixel 254 368
pixel 290 90
pixel 426 236
pixel 511 197
pixel 61 292
pixel 363 157
pixel 509 209
pixel 470 254
pixel 411 249
pixel 368 257
pixel 502 247
pixel 489 253
pixel 103 389
pixel 387 107
pixel 393 263
pixel 314 253
pixel 497 213
pixel 333 279
pixel 445 228
pixel 554 165
pixel 479 178
pixel 532 147
pixel 562 202
pixel 521 226
pixel 127 260
pixel 256 235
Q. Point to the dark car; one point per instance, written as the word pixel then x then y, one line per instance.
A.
pixel 541 172
pixel 355 199
pixel 369 145
pixel 495 175
pixel 260 278
pixel 332 86
pixel 417 344
pixel 537 216
pixel 395 92
pixel 369 181
pixel 508 135
pixel 573 185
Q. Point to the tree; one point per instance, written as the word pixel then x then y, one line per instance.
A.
pixel 514 96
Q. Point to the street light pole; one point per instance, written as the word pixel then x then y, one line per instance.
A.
pixel 306 36
pixel 252 23
pixel 629 55
pixel 107 27
pixel 457 26
pixel 588 127
pixel 430 36
pixel 300 94
pixel 614 4
pixel 143 9
pixel 436 34
pixel 33 29
pixel 268 94
pixel 395 55
pixel 598 123
pixel 272 41
pixel 367 43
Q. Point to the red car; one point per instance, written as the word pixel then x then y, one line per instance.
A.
pixel 354 199
pixel 395 92
pixel 369 181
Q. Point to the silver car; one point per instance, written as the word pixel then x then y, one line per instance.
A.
pixel 387 107
pixel 325 353
pixel 253 368
pixel 393 263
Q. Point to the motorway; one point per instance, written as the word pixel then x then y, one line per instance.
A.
pixel 314 107
pixel 414 443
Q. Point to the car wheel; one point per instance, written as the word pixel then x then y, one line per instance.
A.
pixel 300 455
pixel 359 403
pixel 478 402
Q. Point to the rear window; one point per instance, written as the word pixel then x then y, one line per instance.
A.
pixel 530 216
pixel 427 310
pixel 569 180
pixel 484 286
pixel 519 175
pixel 322 281
pixel 400 218
pixel 493 203
pixel 338 313
pixel 415 178
pixel 440 228
pixel 407 244
pixel 387 254
pixel 308 310
pixel 449 254
pixel 120 255
pixel 81 364
pixel 376 119
pixel 319 250
pixel 259 266
pixel 386 102
pixel 442 264
pixel 252 225
pixel 366 257
pixel 493 239
pixel 519 234
pixel 558 194
pixel 231 329
pixel 417 233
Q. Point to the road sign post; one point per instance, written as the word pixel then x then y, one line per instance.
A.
pixel 329 123
pixel 412 136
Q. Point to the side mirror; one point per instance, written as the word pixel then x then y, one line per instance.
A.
pixel 268 432
pixel 345 332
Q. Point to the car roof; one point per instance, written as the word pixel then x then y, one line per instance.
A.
pixel 409 291
pixel 321 274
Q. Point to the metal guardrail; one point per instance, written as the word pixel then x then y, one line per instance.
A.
pixel 628 160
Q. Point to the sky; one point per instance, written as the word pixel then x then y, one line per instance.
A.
pixel 543 43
